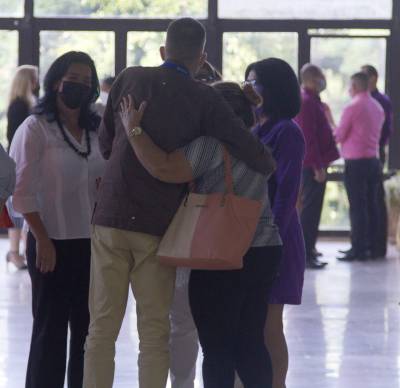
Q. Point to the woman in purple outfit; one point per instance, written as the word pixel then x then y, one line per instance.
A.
pixel 276 81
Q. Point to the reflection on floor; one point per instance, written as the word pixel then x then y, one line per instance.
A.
pixel 345 335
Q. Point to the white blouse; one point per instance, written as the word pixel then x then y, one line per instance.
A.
pixel 53 180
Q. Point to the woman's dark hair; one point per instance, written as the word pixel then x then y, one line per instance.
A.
pixel 47 105
pixel 281 90
pixel 236 98
pixel 208 74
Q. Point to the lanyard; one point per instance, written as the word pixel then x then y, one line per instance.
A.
pixel 179 68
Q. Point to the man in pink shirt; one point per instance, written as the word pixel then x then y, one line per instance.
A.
pixel 359 133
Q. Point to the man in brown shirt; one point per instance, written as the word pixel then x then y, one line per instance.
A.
pixel 134 209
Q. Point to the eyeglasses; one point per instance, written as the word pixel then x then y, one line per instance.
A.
pixel 252 82
pixel 207 79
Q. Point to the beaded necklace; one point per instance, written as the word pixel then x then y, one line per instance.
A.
pixel 72 145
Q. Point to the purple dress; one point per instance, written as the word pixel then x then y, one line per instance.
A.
pixel 286 141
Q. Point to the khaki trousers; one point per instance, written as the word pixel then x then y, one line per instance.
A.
pixel 121 259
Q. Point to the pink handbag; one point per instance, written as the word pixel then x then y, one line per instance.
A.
pixel 211 231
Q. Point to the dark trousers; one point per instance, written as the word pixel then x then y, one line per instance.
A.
pixel 59 299
pixel 379 247
pixel 362 180
pixel 230 309
pixel 312 199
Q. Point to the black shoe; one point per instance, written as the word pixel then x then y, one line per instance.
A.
pixel 317 253
pixel 345 251
pixel 314 263
pixel 350 256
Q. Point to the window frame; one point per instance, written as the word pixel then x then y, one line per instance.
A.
pixel 29 28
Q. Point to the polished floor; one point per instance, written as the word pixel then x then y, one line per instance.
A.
pixel 345 335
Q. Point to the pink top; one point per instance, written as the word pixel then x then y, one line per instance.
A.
pixel 360 128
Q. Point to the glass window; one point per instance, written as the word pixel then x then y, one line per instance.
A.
pixel 13 8
pixel 99 45
pixel 243 48
pixel 335 213
pixel 8 64
pixel 348 32
pixel 305 9
pixel 144 48
pixel 340 58
pixel 122 8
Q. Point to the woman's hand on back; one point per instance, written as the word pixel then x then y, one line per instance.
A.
pixel 130 116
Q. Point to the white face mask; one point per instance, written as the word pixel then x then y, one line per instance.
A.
pixel 103 97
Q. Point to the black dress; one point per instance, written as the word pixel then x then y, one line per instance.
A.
pixel 17 112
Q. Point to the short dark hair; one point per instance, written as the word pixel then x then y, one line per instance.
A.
pixel 281 89
pixel 370 71
pixel 236 98
pixel 310 71
pixel 48 103
pixel 361 79
pixel 108 80
pixel 186 38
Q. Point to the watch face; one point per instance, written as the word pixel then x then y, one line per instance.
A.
pixel 135 131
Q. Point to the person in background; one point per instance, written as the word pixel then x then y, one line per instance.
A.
pixel 7 177
pixel 105 88
pixel 276 81
pixel 232 337
pixel 359 133
pixel 321 151
pixel 58 166
pixel 134 209
pixel 387 129
pixel 385 103
pixel 184 341
pixel 23 92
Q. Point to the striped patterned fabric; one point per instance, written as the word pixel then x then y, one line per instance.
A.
pixel 205 155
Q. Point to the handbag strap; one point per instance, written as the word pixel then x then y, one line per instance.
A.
pixel 228 178
pixel 228 171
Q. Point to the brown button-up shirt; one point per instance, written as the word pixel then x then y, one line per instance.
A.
pixel 179 110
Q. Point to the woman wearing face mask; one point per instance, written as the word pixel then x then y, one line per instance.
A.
pixel 58 166
pixel 276 81
pixel 24 88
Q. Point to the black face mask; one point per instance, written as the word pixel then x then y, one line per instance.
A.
pixel 74 94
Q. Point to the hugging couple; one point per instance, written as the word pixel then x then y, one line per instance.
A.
pixel 162 129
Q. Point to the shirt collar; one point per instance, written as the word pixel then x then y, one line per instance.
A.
pixel 362 95
pixel 375 92
pixel 311 93
pixel 177 67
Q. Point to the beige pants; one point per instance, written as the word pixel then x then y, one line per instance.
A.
pixel 119 259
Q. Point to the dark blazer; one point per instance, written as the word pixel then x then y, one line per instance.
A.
pixel 179 110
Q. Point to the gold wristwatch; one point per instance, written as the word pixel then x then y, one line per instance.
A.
pixel 135 131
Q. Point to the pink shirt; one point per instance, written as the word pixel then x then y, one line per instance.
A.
pixel 360 128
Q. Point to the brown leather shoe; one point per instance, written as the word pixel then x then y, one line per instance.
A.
pixel 16 259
